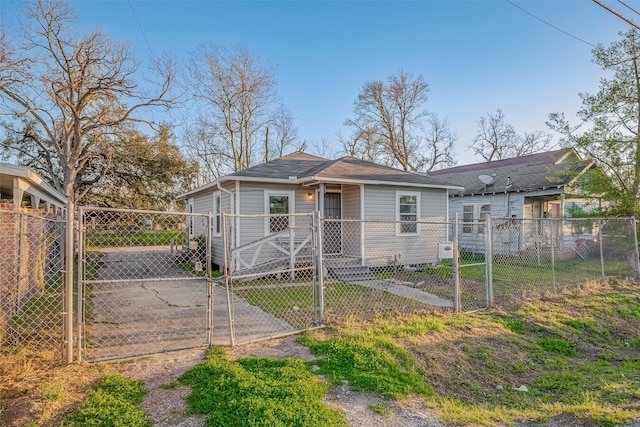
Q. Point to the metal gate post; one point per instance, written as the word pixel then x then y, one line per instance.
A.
pixel 553 259
pixel 227 272
pixel 320 268
pixel 69 283
pixel 488 260
pixel 636 264
pixel 456 266
pixel 601 250
pixel 207 270
pixel 80 234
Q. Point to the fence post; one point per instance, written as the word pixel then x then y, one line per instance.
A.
pixel 320 268
pixel 80 267
pixel 210 302
pixel 456 268
pixel 636 258
pixel 488 259
pixel 228 261
pixel 69 282
pixel 553 260
pixel 601 250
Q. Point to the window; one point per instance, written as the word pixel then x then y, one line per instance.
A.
pixel 474 217
pixel 407 212
pixel 467 218
pixel 279 204
pixel 217 213
pixel 190 217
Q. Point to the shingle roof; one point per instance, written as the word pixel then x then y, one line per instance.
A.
pixel 525 173
pixel 302 167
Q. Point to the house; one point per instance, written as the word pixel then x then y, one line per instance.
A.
pixel 31 236
pixel 23 189
pixel 526 190
pixel 346 189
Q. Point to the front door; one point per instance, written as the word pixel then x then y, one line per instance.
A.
pixel 332 229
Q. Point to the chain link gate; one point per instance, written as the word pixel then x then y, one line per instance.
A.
pixel 143 283
pixel 271 275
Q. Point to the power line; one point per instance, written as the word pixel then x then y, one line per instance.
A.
pixel 628 7
pixel 141 30
pixel 549 24
pixel 619 15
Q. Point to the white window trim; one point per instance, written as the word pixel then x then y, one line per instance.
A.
pixel 475 223
pixel 217 233
pixel 267 210
pixel 407 193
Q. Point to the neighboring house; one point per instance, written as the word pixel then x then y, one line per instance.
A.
pixel 23 189
pixel 346 188
pixel 31 236
pixel 527 189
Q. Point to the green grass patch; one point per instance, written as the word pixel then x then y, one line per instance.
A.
pixel 558 345
pixel 258 392
pixel 379 408
pixel 113 403
pixel 369 364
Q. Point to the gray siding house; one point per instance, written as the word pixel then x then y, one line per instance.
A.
pixel 342 189
pixel 528 190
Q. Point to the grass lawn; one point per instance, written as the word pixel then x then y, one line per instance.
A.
pixel 574 354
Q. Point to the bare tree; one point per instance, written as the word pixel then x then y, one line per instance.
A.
pixel 391 127
pixel 496 139
pixel 65 96
pixel 242 117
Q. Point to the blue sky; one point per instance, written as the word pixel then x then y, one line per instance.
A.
pixel 477 56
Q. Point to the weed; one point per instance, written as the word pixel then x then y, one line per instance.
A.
pixel 169 386
pixel 370 364
pixel 558 345
pixel 258 392
pixel 515 325
pixel 113 403
pixel 53 391
pixel 379 408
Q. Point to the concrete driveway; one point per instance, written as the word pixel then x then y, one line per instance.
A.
pixel 142 303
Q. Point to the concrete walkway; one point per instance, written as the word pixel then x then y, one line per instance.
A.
pixel 407 292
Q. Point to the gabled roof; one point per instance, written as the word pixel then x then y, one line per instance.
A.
pixel 306 169
pixel 541 171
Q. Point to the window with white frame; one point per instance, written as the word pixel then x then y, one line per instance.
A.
pixel 279 205
pixel 407 212
pixel 217 213
pixel 190 217
pixel 474 217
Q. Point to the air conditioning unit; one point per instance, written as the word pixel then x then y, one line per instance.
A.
pixel 445 250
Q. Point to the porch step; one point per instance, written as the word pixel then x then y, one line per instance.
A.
pixel 351 273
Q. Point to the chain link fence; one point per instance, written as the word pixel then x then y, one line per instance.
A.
pixel 383 267
pixel 145 278
pixel 143 283
pixel 534 256
pixel 271 278
pixel 32 279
